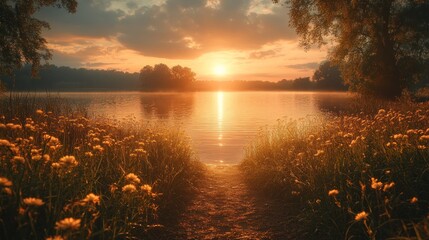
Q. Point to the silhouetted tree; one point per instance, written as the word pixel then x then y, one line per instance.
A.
pixel 161 77
pixel 382 45
pixel 183 77
pixel 302 84
pixel 328 77
pixel 20 33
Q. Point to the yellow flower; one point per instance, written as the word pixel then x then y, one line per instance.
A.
pixel 319 152
pixel 414 200
pixel 4 142
pixel 57 237
pixel 424 137
pixel 361 216
pixel 98 148
pixel 39 111
pixel 4 182
pixel 375 184
pixel 387 186
pixel 89 154
pixel 36 157
pixel 36 202
pixel 333 192
pixel 68 224
pixel 46 157
pixel 92 199
pixel 18 159
pixel 129 188
pixel 55 165
pixel 68 161
pixel 147 188
pixel 131 177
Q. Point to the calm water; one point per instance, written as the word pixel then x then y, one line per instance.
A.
pixel 220 124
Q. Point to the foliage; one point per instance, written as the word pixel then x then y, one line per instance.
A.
pixel 382 46
pixel 328 77
pixel 68 177
pixel 161 77
pixel 20 32
pixel 354 176
pixel 53 78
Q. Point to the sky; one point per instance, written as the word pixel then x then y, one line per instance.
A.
pixel 217 39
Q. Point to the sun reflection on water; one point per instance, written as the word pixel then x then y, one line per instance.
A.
pixel 220 97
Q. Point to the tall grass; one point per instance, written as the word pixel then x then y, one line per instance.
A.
pixel 353 176
pixel 68 177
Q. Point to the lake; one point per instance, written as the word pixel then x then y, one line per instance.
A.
pixel 220 124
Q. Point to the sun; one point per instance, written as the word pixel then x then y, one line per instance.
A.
pixel 219 70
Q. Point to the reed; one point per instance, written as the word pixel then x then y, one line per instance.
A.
pixel 356 175
pixel 63 176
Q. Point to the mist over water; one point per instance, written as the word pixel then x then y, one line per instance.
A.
pixel 220 124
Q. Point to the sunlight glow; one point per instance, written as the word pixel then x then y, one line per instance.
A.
pixel 219 70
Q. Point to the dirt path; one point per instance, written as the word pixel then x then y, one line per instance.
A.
pixel 225 209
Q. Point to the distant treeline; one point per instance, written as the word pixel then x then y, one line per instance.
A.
pixel 160 78
pixel 53 78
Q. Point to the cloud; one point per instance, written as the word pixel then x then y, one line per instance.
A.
pixel 92 19
pixel 304 66
pixel 264 54
pixel 174 29
pixel 89 56
pixel 190 28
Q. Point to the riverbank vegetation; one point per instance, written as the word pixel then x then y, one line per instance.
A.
pixel 360 174
pixel 63 176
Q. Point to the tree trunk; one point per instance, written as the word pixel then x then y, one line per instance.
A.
pixel 387 83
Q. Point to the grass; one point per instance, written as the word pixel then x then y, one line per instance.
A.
pixel 360 174
pixel 63 176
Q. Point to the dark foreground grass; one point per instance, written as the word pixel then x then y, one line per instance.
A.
pixel 63 176
pixel 357 175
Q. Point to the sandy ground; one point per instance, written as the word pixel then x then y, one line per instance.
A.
pixel 226 209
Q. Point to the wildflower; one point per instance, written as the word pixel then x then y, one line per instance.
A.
pixel 2 126
pixel 397 136
pixel 69 161
pixel 55 165
pixel 133 155
pixel 18 159
pixel 89 154
pixel 387 186
pixel 129 188
pixel 381 111
pixel 424 137
pixel 333 192
pixel 375 184
pixel 131 177
pixel 4 182
pixel 36 157
pixel 113 188
pixel 68 224
pixel 46 157
pixel 319 152
pixel 361 216
pixel 56 237
pixel 147 188
pixel 414 200
pixel 92 199
pixel 140 150
pixel 98 148
pixel 4 142
pixel 7 190
pixel 39 111
pixel 36 202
